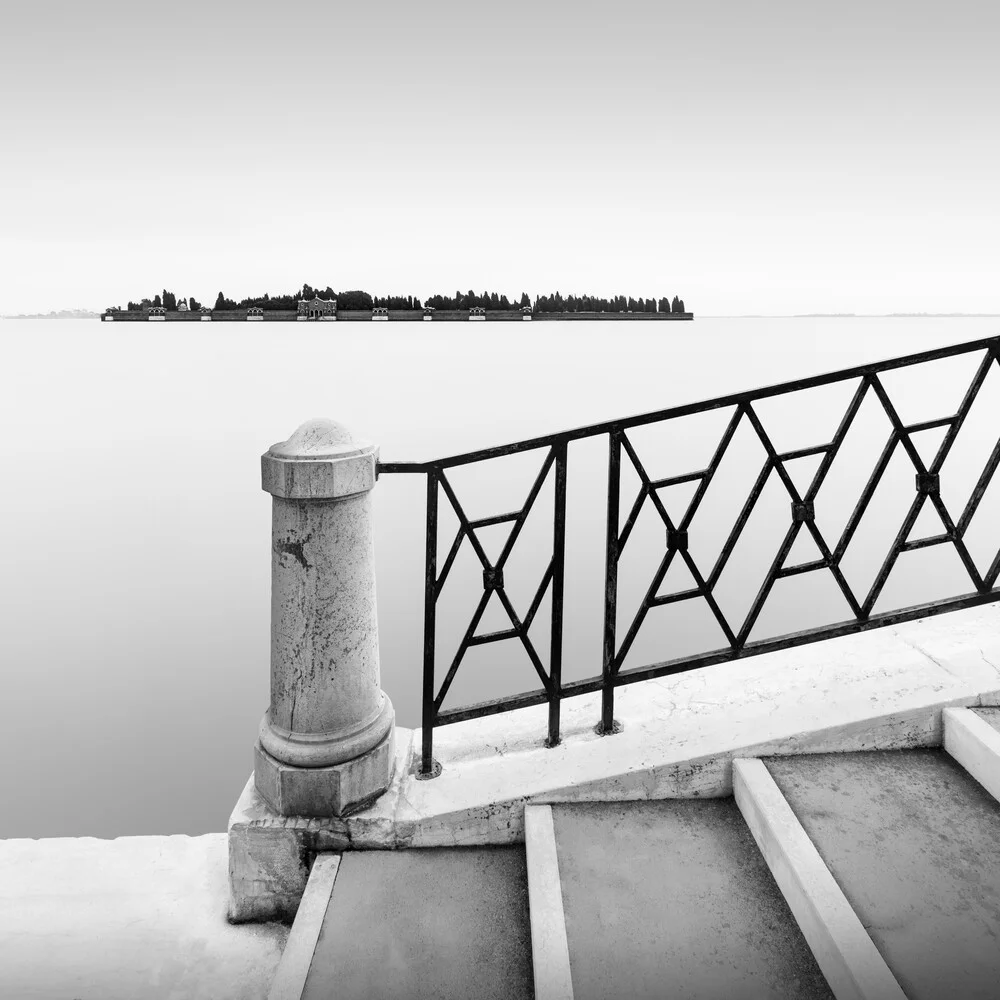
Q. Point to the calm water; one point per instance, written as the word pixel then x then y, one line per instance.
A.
pixel 136 537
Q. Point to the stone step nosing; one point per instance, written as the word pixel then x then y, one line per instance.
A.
pixel 847 956
pixel 293 968
pixel 549 943
pixel 975 745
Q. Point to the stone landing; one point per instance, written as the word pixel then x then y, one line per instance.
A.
pixel 883 689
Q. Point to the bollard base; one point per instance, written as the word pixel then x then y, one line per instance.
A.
pixel 270 855
pixel 338 790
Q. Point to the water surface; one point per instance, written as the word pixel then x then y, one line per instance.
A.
pixel 134 592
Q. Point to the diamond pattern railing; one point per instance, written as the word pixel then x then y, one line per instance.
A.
pixel 801 518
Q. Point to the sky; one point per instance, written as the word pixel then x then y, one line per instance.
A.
pixel 752 157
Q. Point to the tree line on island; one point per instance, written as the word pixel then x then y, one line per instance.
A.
pixel 356 299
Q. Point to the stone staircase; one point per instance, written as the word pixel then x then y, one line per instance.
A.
pixel 848 875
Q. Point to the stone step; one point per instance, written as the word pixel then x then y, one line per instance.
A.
pixel 441 923
pixel 673 899
pixel 913 842
pixel 972 738
pixel 884 887
pixel 990 715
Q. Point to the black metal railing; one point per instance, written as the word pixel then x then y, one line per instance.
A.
pixel 801 517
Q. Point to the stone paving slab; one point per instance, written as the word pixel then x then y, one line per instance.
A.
pixel 673 899
pixel 914 843
pixel 447 924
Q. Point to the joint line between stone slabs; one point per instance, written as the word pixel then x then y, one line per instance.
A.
pixel 845 953
pixel 975 745
pixel 293 968
pixel 549 945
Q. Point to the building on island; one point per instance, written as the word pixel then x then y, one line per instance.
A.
pixel 156 312
pixel 477 312
pixel 428 312
pixel 255 313
pixel 380 312
pixel 317 308
pixel 182 306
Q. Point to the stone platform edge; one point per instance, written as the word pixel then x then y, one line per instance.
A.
pixel 876 691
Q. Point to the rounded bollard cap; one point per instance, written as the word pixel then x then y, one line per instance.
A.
pixel 317 439
pixel 322 460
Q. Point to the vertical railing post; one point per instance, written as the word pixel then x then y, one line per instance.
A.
pixel 326 742
pixel 607 724
pixel 558 575
pixel 428 767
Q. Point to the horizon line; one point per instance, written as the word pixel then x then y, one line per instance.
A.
pixel 812 315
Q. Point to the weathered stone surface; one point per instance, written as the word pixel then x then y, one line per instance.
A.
pixel 128 918
pixel 268 871
pixel 325 743
pixel 321 460
pixel 674 899
pixel 913 841
pixel 326 703
pixel 450 924
pixel 325 791
pixel 270 855
pixel 990 715
pixel 319 480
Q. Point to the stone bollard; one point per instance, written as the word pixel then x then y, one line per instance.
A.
pixel 325 744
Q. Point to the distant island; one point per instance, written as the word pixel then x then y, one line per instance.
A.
pixel 61 314
pixel 325 304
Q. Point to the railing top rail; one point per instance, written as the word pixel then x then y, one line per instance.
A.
pixel 686 409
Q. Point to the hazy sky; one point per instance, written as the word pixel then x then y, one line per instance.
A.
pixel 752 157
